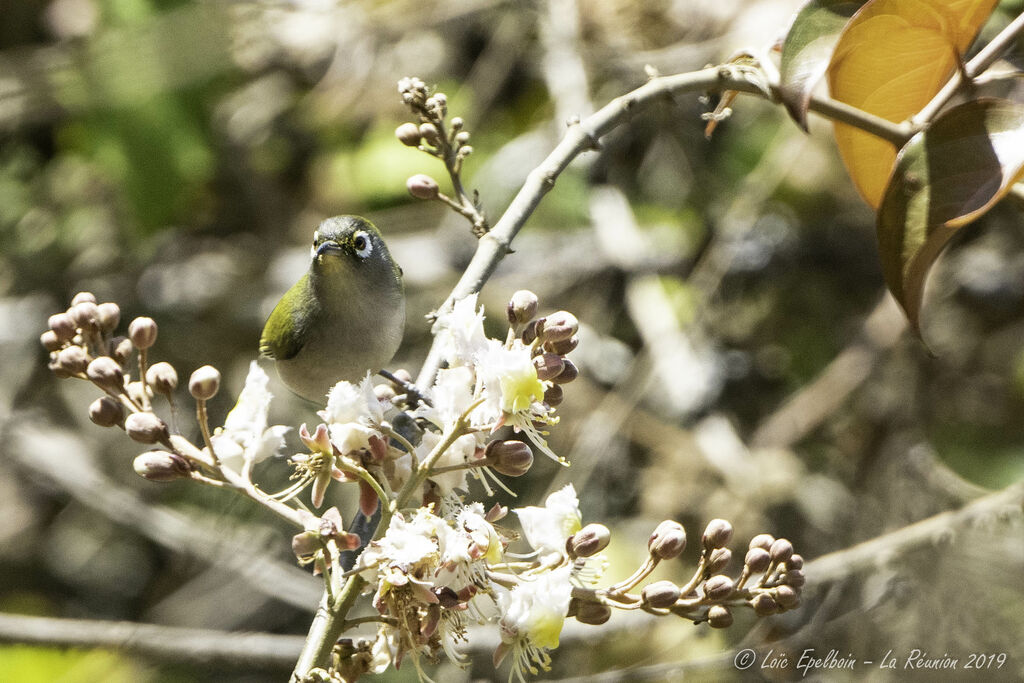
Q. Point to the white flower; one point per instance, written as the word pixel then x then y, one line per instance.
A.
pixel 532 615
pixel 245 435
pixel 451 395
pixel 460 332
pixel 548 528
pixel 347 402
pixel 351 414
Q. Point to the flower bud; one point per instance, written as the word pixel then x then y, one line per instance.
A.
pixel 794 578
pixel 522 307
pixel 589 541
pixel 668 540
pixel 530 331
pixel 554 396
pixel 106 411
pixel 428 132
pixel 422 186
pixel 560 326
pixel 660 594
pixel 82 297
pixel 781 550
pixel 204 383
pixel 105 373
pixel 757 560
pixel 85 315
pixel 146 428
pixel 121 349
pixel 718 560
pixel 719 616
pixel 50 341
pixel 465 150
pixel 717 534
pixel 764 604
pixel 161 465
pixel 163 378
pixel 142 332
pixel 461 138
pixel 795 562
pixel 457 123
pixel 138 394
pixel 549 366
pixel 592 613
pixel 58 370
pixel 718 587
pixel 569 372
pixel 511 458
pixel 787 597
pixel 384 392
pixel 762 541
pixel 562 347
pixel 62 326
pixel 109 316
pixel 408 134
pixel 73 359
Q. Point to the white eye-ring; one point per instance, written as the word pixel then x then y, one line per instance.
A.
pixel 312 249
pixel 361 244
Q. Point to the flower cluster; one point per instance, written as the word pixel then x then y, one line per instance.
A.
pixel 438 561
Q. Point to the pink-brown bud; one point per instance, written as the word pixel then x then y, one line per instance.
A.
pixel 560 326
pixel 554 395
pixel 717 534
pixel 109 315
pixel 105 373
pixel 522 307
pixel 718 587
pixel 719 616
pixel 757 559
pixel 408 134
pixel 422 186
pixel 668 540
pixel 62 325
pixel 142 331
pixel 204 383
pixel 548 365
pixel 589 541
pixel 106 411
pixel 660 594
pixel 161 466
pixel 511 458
pixel 592 613
pixel 83 297
pixel 569 372
pixel 146 428
pixel 85 315
pixel 73 359
pixel 163 378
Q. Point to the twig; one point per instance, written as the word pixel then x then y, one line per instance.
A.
pixel 983 60
pixel 67 466
pixel 175 644
pixel 584 136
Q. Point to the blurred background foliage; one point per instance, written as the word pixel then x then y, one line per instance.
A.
pixel 739 359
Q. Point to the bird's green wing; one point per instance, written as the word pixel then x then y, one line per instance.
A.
pixel 289 323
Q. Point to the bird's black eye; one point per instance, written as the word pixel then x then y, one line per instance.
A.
pixel 361 244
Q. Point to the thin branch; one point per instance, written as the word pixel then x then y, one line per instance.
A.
pixel 200 646
pixel 585 135
pixel 983 60
pixel 68 465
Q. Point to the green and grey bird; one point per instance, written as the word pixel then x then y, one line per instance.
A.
pixel 344 317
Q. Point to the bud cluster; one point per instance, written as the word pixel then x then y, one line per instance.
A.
pixel 550 339
pixel 710 596
pixel 83 344
pixel 446 139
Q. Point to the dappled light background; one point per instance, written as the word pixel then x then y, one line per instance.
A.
pixel 739 357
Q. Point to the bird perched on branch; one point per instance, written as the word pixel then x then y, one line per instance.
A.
pixel 344 317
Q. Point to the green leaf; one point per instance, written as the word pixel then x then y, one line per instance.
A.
pixel 807 50
pixel 945 177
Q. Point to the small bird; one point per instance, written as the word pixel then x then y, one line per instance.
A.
pixel 344 317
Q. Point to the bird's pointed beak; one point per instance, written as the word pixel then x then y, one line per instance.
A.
pixel 326 247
